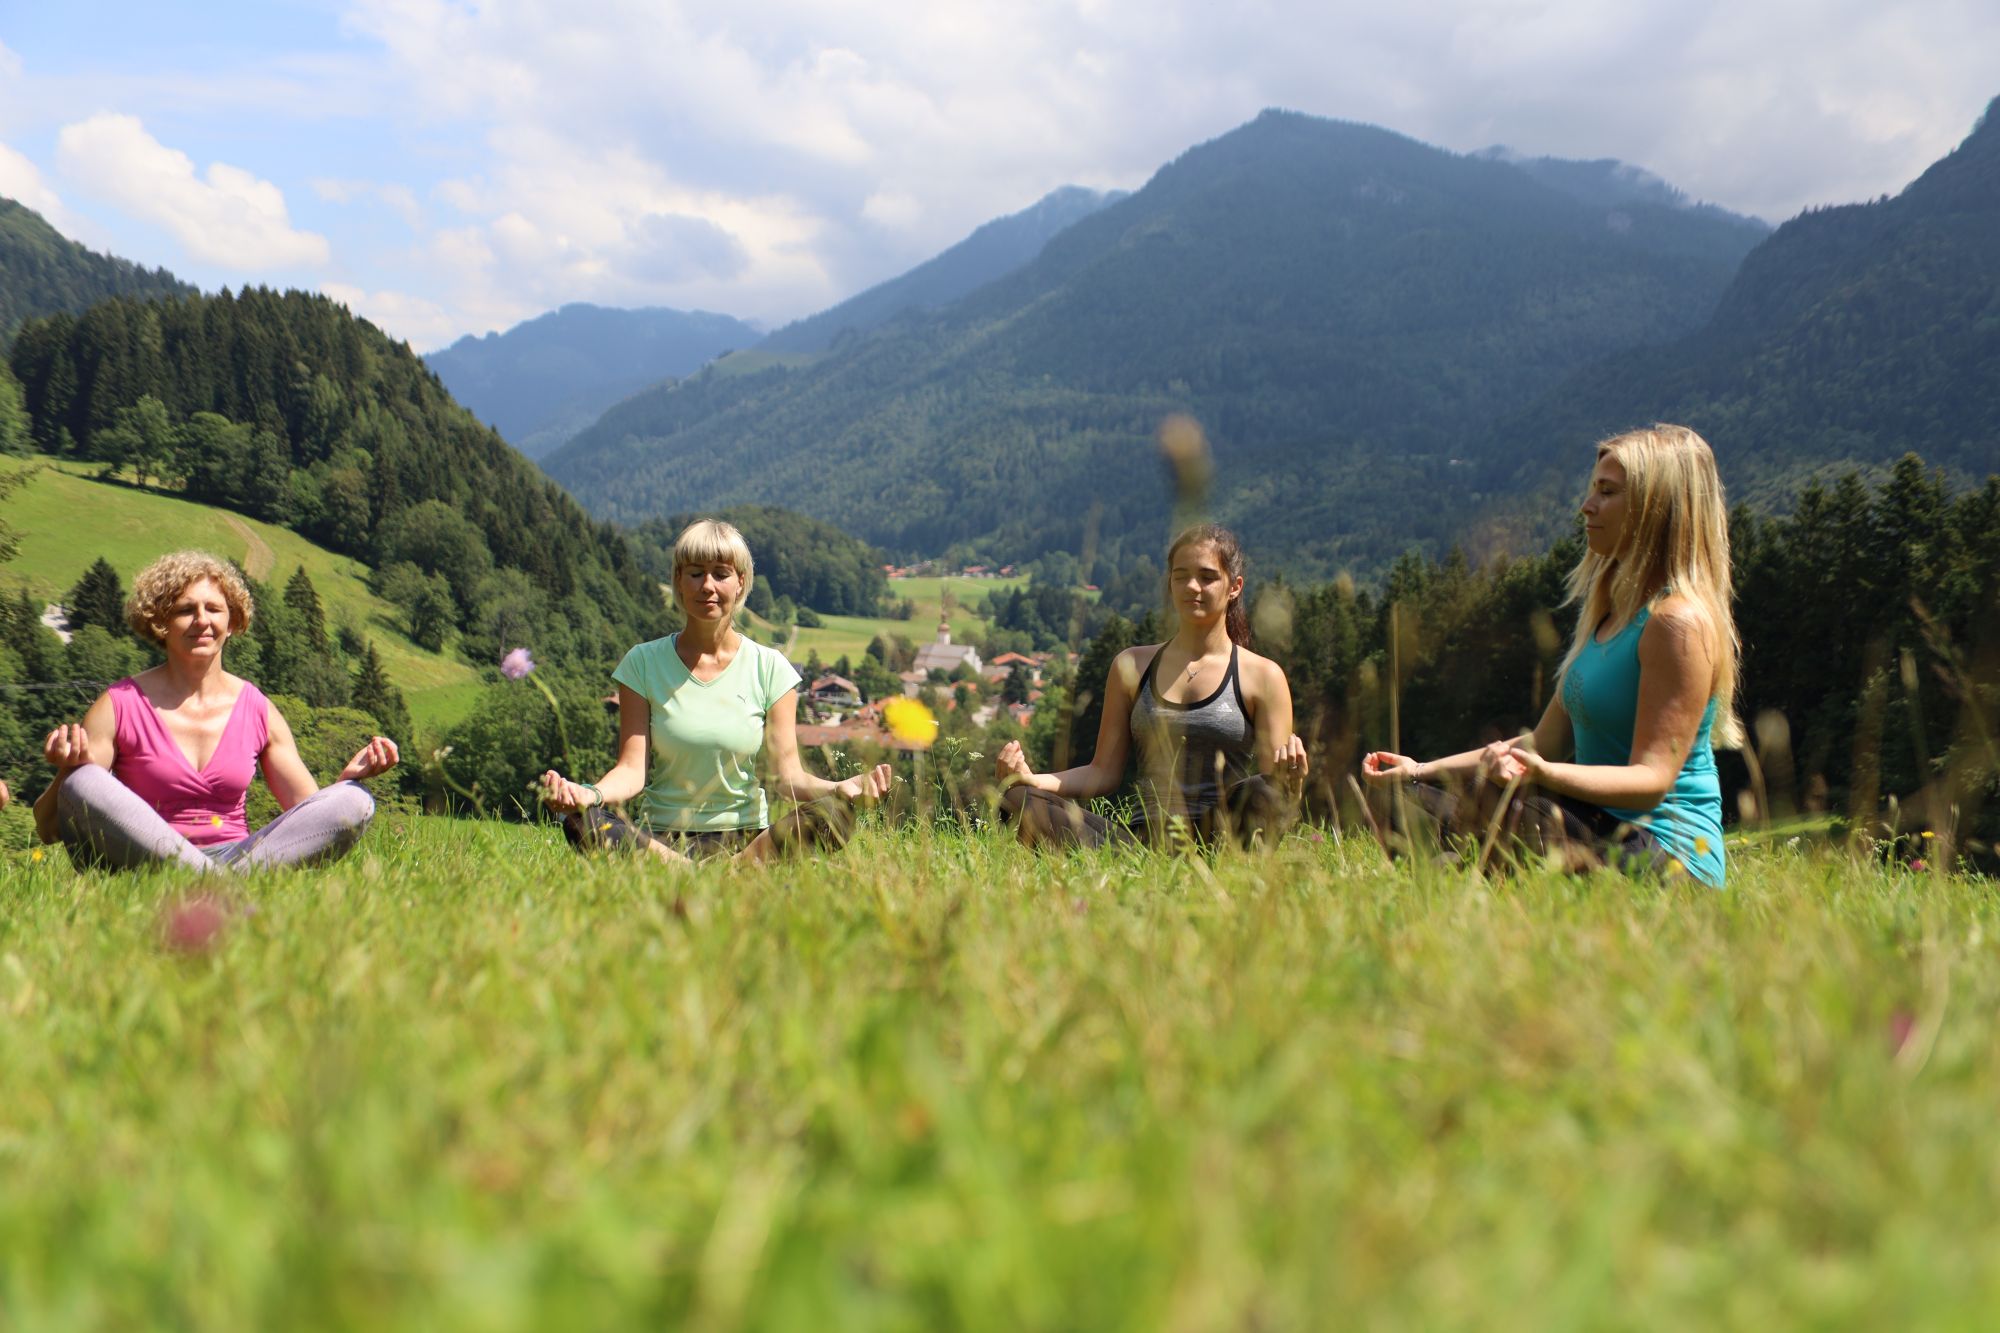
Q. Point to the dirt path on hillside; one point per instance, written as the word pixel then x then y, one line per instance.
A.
pixel 258 557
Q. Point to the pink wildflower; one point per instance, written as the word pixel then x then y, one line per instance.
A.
pixel 1901 1027
pixel 194 926
pixel 517 664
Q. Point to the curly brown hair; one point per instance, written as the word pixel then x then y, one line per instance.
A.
pixel 161 583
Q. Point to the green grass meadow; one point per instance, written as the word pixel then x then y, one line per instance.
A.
pixel 131 527
pixel 467 1080
pixel 849 636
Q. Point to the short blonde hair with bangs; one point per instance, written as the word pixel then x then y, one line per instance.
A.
pixel 161 584
pixel 710 541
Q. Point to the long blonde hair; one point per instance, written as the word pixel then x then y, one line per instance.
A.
pixel 1676 537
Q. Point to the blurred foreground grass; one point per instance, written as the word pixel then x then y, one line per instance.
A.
pixel 465 1080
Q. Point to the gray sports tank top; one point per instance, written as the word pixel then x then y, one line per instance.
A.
pixel 1190 754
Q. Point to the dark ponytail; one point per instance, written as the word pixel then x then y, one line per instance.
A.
pixel 1236 619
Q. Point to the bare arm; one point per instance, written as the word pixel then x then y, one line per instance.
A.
pixel 285 771
pixel 1280 753
pixel 626 777
pixel 1676 681
pixel 68 747
pixel 1551 737
pixel 781 743
pixel 1114 739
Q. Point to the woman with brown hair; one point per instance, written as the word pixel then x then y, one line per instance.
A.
pixel 1622 765
pixel 1211 720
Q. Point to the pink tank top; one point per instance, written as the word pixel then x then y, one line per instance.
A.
pixel 204 807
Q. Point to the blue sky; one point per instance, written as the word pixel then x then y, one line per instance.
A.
pixel 449 168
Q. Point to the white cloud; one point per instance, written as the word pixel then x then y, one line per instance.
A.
pixel 829 147
pixel 226 217
pixel 423 323
pixel 21 180
pixel 398 199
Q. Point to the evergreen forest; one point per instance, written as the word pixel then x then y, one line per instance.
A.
pixel 43 271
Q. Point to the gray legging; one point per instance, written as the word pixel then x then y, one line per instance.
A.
pixel 104 823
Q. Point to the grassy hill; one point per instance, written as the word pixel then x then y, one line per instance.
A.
pixel 66 520
pixel 850 635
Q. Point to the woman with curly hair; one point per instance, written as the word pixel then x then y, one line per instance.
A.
pixel 157 771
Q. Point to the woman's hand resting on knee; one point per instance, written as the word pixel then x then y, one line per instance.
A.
pixel 1384 766
pixel 378 756
pixel 563 796
pixel 67 747
pixel 1011 764
pixel 866 787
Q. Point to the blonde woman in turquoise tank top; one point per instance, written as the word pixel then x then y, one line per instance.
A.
pixel 1622 762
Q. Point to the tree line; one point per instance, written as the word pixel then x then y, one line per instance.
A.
pixel 285 407
pixel 1870 620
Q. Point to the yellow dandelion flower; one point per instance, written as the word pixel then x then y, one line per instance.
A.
pixel 1929 834
pixel 1701 846
pixel 37 856
pixel 910 722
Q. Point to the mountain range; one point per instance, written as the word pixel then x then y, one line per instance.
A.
pixel 1347 311
pixel 1854 334
pixel 993 251
pixel 542 381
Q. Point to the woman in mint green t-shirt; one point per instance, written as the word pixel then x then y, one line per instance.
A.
pixel 694 710
pixel 1622 762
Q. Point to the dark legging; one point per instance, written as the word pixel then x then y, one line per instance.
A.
pixel 1250 806
pixel 1575 834
pixel 824 825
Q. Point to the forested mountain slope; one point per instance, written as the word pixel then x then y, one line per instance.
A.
pixel 1854 334
pixel 993 251
pixel 1345 310
pixel 287 408
pixel 43 271
pixel 543 380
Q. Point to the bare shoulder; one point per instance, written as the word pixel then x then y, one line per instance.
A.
pixel 1131 664
pixel 1679 625
pixel 1259 673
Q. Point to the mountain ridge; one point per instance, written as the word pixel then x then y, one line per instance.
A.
pixel 1337 304
pixel 992 250
pixel 540 381
pixel 43 272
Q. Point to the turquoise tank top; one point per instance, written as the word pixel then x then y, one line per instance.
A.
pixel 1601 695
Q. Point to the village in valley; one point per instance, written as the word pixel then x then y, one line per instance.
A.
pixel 835 709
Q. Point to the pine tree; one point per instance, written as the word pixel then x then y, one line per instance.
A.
pixel 376 696
pixel 1093 673
pixel 303 599
pixel 98 599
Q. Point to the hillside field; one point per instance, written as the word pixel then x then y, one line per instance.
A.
pixel 467 1080
pixel 67 519
pixel 850 635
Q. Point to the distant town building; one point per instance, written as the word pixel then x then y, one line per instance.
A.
pixel 941 654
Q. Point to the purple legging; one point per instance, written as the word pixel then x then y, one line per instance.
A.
pixel 103 823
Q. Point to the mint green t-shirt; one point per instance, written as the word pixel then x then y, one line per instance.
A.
pixel 703 769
